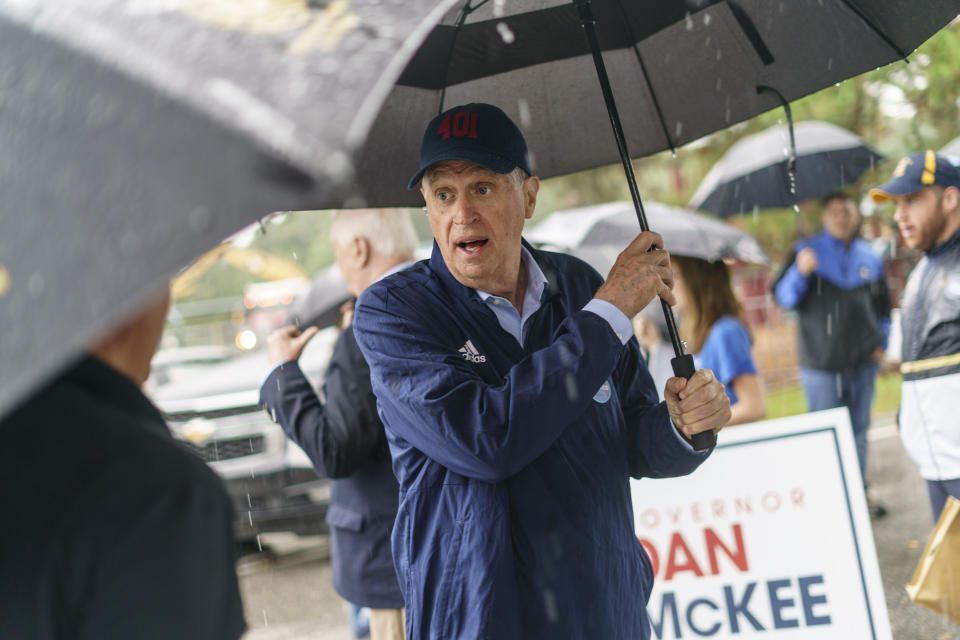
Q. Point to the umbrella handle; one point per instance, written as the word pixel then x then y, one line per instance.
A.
pixel 683 367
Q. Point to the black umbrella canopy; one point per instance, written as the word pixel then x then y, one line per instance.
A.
pixel 679 71
pixel 754 172
pixel 136 134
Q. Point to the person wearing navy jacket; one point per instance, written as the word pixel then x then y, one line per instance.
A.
pixel 342 435
pixel 517 406
pixel 835 283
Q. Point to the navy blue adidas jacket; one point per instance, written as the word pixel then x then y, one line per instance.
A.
pixel 515 518
pixel 344 439
pixel 843 308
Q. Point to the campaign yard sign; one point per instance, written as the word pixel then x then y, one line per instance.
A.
pixel 769 538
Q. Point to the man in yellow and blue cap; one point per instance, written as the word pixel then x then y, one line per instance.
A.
pixel 926 190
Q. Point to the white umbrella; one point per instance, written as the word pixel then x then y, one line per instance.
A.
pixel 598 233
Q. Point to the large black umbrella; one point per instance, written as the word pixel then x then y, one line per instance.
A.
pixel 755 173
pixel 678 70
pixel 137 134
pixel 598 233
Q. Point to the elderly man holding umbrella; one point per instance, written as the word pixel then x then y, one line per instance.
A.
pixel 517 406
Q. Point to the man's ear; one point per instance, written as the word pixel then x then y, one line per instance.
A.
pixel 531 186
pixel 362 251
pixel 951 198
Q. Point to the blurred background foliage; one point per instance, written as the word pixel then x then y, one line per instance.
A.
pixel 900 108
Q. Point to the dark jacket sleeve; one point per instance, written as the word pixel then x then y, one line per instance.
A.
pixel 344 433
pixel 882 306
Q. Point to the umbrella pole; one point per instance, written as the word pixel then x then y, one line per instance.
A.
pixel 683 365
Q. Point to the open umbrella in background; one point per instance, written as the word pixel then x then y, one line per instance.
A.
pixel 755 172
pixel 137 134
pixel 952 151
pixel 320 305
pixel 600 232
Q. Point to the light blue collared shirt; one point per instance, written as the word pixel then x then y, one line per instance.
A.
pixel 515 324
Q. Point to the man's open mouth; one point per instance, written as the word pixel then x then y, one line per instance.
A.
pixel 472 246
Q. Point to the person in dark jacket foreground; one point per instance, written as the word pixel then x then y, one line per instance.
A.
pixel 343 435
pixel 835 283
pixel 517 406
pixel 111 528
pixel 926 190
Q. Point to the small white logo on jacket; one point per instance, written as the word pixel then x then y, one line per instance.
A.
pixel 470 353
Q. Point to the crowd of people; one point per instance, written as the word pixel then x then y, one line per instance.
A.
pixel 480 420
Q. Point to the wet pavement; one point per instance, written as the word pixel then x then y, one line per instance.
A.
pixel 288 595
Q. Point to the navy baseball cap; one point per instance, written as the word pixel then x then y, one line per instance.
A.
pixel 916 171
pixel 478 133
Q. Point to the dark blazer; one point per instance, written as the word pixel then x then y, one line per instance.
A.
pixel 345 440
pixel 110 527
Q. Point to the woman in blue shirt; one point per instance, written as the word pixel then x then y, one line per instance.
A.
pixel 712 323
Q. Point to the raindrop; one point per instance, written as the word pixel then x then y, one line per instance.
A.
pixel 836 84
pixel 571 383
pixel 355 201
pixel 199 219
pixel 719 54
pixel 829 324
pixel 523 107
pixel 265 622
pixel 505 33
pixel 706 19
pixel 839 383
pixel 130 244
pixel 550 604
pixel 689 22
pixel 250 517
pixel 830 64
pixel 249 502
pixel 339 164
pixel 706 43
pixel 35 285
pixel 4 281
pixel 294 253
pixel 674 153
pixel 756 214
pixel 678 129
pixel 498 8
pixel 719 84
pixel 796 207
pixel 259 544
